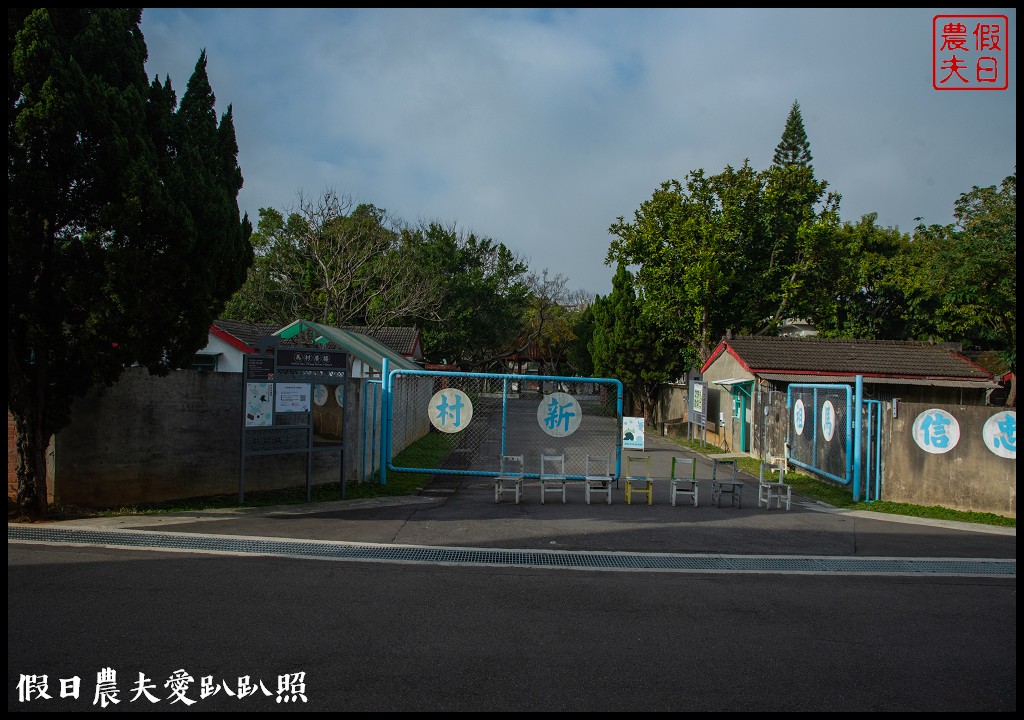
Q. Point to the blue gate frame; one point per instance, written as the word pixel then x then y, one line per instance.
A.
pixel 506 381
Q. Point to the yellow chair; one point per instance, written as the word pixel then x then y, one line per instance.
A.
pixel 552 475
pixel 637 482
pixel 684 479
pixel 509 477
pixel 597 476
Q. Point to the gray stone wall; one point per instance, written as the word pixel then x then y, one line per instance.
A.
pixel 149 439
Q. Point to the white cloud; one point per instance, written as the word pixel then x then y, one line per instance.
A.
pixel 538 128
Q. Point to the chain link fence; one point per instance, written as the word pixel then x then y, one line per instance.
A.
pixel 819 429
pixel 492 415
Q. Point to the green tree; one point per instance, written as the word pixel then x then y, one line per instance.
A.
pixel 961 279
pixel 482 296
pixel 741 250
pixel 864 297
pixel 551 321
pixel 124 238
pixel 633 346
pixel 335 263
pixel 577 354
pixel 794 148
pixel 681 258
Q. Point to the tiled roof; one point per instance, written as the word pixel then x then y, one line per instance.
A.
pixel 879 358
pixel 399 339
pixel 246 332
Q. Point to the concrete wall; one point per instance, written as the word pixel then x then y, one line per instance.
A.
pixel 671 404
pixel 720 410
pixel 148 439
pixel 968 477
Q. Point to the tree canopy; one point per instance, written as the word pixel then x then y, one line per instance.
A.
pixel 482 296
pixel 333 262
pixel 962 277
pixel 124 237
pixel 741 250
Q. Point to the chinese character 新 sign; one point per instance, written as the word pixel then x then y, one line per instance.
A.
pixel 559 415
pixel 970 52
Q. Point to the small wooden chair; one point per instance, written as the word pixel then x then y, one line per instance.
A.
pixel 597 476
pixel 636 482
pixel 778 490
pixel 552 475
pixel 684 479
pixel 509 477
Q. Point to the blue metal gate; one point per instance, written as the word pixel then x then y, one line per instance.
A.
pixel 835 433
pixel 489 415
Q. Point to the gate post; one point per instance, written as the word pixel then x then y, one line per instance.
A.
pixel 858 401
pixel 385 419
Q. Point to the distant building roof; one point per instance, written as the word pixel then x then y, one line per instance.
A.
pixel 790 358
pixel 405 340
pixel 242 334
pixel 245 335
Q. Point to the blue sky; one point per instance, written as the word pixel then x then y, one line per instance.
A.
pixel 540 127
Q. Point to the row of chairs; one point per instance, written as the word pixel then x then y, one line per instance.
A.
pixel 598 478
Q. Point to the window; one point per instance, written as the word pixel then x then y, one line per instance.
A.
pixel 204 363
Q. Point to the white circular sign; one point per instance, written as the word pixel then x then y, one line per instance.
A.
pixel 450 410
pixel 936 431
pixel 559 414
pixel 320 394
pixel 1000 434
pixel 339 395
pixel 828 420
pixel 799 416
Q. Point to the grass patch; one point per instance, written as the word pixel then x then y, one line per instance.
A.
pixel 842 497
pixel 426 452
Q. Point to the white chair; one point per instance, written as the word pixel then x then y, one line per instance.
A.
pixel 552 475
pixel 778 490
pixel 684 479
pixel 636 482
pixel 509 477
pixel 597 476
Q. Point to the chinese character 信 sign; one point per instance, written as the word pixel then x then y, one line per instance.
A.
pixel 936 431
pixel 970 52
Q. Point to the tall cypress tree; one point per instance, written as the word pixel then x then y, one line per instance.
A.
pixel 124 237
pixel 793 148
pixel 631 346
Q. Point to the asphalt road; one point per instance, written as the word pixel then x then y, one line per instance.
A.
pixel 397 633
